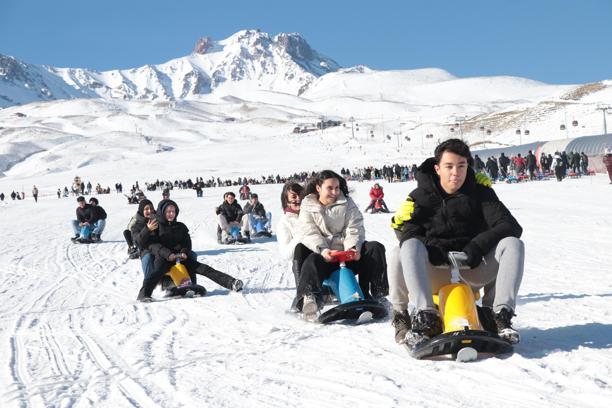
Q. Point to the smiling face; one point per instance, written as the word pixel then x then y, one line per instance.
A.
pixel 452 171
pixel 230 198
pixel 147 211
pixel 329 191
pixel 293 200
pixel 170 213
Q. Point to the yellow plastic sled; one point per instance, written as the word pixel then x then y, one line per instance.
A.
pixel 463 336
pixel 183 286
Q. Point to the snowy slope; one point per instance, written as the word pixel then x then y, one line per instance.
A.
pixel 71 333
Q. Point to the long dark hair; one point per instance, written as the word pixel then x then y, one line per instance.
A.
pixel 290 185
pixel 317 180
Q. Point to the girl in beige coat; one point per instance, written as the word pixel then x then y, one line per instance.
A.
pixel 330 220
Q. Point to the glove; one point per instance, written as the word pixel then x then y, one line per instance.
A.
pixel 403 214
pixel 474 255
pixel 437 256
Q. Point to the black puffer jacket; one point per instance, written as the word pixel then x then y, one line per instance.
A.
pixel 472 215
pixel 140 233
pixel 171 237
pixel 232 212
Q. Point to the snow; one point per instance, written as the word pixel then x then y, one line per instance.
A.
pixel 72 334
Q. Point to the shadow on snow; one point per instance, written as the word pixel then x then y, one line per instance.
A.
pixel 537 343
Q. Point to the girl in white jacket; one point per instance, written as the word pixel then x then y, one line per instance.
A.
pixel 330 220
pixel 287 231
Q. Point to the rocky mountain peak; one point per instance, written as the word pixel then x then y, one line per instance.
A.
pixel 203 45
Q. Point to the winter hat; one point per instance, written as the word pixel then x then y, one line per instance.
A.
pixel 161 208
pixel 143 204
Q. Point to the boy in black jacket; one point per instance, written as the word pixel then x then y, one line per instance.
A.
pixel 454 209
pixel 98 219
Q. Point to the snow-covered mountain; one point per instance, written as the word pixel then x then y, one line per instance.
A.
pixel 255 88
pixel 283 63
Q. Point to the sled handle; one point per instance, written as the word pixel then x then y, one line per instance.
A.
pixel 457 260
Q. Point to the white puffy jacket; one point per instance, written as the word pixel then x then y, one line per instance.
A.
pixel 287 234
pixel 338 226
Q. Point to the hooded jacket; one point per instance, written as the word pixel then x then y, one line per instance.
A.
pixel 171 237
pixel 473 215
pixel 140 233
pixel 338 226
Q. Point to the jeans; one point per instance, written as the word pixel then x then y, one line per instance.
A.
pixel 82 232
pixel 147 258
pixel 98 227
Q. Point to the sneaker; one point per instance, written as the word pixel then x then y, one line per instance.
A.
pixel 426 324
pixel 310 308
pixel 75 238
pixel 503 320
pixel 237 285
pixel 94 237
pixel 401 323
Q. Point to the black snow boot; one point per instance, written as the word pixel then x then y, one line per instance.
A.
pixel 426 324
pixel 401 323
pixel 503 319
pixel 487 319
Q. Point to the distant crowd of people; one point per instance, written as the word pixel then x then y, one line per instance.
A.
pixel 514 168
pixel 501 168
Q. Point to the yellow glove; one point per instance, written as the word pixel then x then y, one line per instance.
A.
pixel 483 179
pixel 403 214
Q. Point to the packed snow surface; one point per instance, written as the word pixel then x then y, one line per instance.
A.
pixel 73 335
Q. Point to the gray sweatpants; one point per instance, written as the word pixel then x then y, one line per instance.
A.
pixel 500 274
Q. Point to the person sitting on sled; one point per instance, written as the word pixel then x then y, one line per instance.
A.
pixel 377 204
pixel 83 224
pixel 330 220
pixel 454 209
pixel 287 233
pixel 259 221
pixel 171 241
pixel 98 219
pixel 230 215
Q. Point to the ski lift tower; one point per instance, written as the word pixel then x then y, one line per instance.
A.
pixel 604 110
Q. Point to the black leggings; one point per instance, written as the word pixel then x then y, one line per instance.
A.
pixel 161 266
pixel 371 270
pixel 128 238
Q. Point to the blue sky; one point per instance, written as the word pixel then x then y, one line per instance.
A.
pixel 555 41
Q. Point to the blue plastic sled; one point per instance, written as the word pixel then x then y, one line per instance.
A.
pixel 352 302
